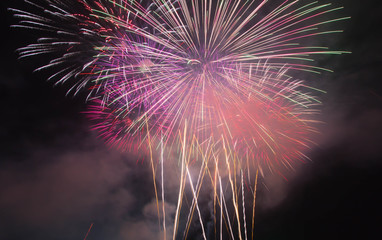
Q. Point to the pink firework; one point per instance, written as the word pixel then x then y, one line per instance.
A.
pixel 218 69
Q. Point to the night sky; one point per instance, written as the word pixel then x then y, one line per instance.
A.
pixel 57 177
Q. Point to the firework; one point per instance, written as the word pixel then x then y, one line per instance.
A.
pixel 211 79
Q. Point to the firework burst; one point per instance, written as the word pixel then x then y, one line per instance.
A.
pixel 211 79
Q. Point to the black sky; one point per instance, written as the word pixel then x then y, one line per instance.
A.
pixel 56 177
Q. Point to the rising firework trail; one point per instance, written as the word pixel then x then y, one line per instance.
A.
pixel 212 81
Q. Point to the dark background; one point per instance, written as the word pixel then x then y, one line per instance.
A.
pixel 56 177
